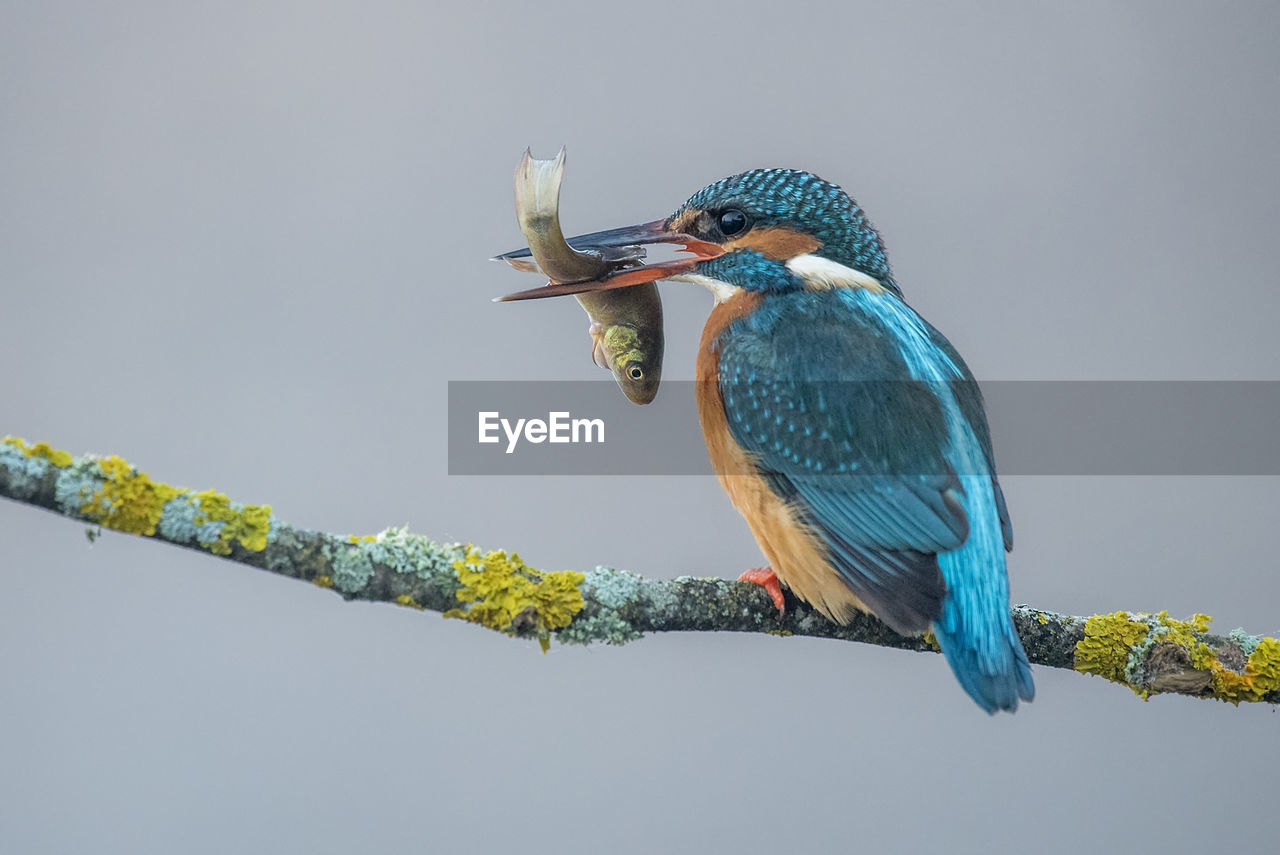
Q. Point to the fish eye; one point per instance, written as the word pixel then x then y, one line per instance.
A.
pixel 635 372
pixel 731 222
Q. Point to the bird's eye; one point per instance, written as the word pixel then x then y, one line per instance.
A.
pixel 635 372
pixel 732 222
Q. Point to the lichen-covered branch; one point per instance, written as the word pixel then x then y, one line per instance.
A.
pixel 1149 653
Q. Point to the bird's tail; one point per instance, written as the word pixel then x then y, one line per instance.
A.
pixel 975 630
pixel 988 660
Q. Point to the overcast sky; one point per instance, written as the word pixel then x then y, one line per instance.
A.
pixel 246 249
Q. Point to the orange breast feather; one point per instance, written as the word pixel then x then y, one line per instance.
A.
pixel 796 554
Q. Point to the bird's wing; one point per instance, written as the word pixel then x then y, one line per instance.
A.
pixel 969 399
pixel 837 426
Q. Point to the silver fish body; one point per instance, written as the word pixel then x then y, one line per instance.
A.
pixel 626 323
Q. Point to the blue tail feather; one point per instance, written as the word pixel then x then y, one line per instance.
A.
pixel 991 667
pixel 975 630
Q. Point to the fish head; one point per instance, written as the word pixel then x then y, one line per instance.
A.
pixel 634 358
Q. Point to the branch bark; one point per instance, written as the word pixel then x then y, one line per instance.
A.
pixel 1149 653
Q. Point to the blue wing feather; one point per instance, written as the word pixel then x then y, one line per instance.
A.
pixel 856 411
pixel 854 442
pixel 969 398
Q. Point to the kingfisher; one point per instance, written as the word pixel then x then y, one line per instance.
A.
pixel 845 429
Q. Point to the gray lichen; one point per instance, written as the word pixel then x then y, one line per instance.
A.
pixel 608 605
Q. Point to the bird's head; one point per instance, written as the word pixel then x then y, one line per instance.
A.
pixel 767 230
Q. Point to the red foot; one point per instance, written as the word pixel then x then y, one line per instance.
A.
pixel 767 579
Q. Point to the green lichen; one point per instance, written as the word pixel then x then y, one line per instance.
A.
pixel 628 593
pixel 1247 643
pixel 246 524
pixel 352 569
pixel 503 593
pixel 356 559
pixel 1107 645
pixel 127 500
pixel 612 588
pixel 412 554
pixel 607 627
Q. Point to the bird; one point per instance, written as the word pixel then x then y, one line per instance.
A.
pixel 847 430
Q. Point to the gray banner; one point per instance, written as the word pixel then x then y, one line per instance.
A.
pixel 1038 428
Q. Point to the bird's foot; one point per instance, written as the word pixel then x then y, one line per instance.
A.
pixel 767 579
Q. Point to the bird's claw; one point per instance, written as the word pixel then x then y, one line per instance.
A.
pixel 767 579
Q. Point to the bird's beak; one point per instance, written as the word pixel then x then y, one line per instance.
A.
pixel 623 247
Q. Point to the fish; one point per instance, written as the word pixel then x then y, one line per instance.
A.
pixel 626 323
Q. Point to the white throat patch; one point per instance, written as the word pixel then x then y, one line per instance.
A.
pixel 823 274
pixel 722 291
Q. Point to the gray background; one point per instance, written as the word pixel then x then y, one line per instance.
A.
pixel 246 248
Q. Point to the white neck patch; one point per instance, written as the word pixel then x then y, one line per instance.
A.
pixel 824 274
pixel 722 291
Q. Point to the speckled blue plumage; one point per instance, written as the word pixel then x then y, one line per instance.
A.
pixel 774 197
pixel 865 420
pixel 870 442
pixel 750 271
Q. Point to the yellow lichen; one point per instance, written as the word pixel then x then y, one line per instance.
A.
pixel 932 640
pixel 1188 634
pixel 1044 621
pixel 1111 641
pixel 1261 675
pixel 1183 632
pixel 503 593
pixel 362 538
pixel 56 456
pixel 129 501
pixel 323 581
pixel 1203 658
pixel 250 526
pixel 409 602
pixel 1108 641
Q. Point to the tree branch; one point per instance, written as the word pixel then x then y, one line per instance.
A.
pixel 1148 653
